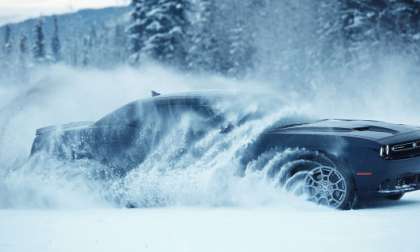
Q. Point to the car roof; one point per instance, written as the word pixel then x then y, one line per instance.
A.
pixel 191 95
pixel 186 98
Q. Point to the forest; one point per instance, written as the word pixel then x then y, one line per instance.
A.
pixel 299 42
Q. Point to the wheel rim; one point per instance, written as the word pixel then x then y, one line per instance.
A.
pixel 326 186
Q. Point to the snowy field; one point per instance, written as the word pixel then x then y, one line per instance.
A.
pixel 386 226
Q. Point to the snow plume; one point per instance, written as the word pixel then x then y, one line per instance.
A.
pixel 204 174
pixel 205 171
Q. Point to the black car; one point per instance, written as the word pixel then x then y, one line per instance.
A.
pixel 335 162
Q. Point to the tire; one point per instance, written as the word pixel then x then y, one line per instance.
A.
pixel 335 190
pixel 394 196
pixel 324 183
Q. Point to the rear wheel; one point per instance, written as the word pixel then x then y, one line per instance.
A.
pixel 394 196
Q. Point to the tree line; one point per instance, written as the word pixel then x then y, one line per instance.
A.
pixel 232 38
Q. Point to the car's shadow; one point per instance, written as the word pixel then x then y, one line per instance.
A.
pixel 384 203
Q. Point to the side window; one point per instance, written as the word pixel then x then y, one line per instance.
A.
pixel 134 113
pixel 183 105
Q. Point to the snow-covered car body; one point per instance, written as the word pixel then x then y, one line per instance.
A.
pixel 122 139
pixel 376 158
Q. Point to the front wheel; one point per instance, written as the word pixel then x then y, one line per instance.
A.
pixel 329 186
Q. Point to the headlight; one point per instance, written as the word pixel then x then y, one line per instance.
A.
pixel 384 151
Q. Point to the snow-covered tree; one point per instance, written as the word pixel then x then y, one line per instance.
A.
pixel 55 42
pixel 23 57
pixel 136 30
pixel 241 50
pixel 7 46
pixel 372 28
pixel 74 54
pixel 166 24
pixel 39 42
pixel 119 44
pixel 222 42
pixel 23 45
pixel 87 45
pixel 6 57
pixel 204 51
pixel 23 49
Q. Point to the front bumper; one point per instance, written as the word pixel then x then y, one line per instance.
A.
pixel 388 177
pixel 399 185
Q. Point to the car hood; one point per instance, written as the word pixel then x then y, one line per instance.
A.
pixel 381 132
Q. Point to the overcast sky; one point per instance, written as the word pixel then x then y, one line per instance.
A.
pixel 15 10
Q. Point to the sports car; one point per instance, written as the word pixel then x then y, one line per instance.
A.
pixel 334 162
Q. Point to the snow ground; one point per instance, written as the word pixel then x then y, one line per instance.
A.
pixel 384 226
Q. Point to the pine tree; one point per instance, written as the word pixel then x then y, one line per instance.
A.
pixel 222 42
pixel 5 56
pixel 55 42
pixel 39 43
pixel 102 54
pixel 23 48
pixel 136 30
pixel 7 46
pixel 119 44
pixel 87 45
pixel 23 58
pixel 204 50
pixel 241 50
pixel 166 25
pixel 74 54
pixel 328 38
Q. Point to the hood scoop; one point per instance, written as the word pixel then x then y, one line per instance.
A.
pixel 376 129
